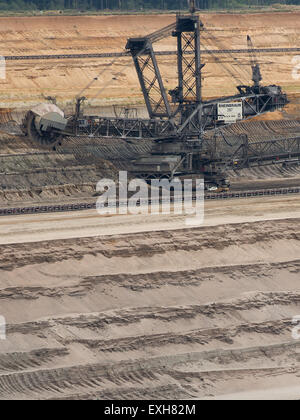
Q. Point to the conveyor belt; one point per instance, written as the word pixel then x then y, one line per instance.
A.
pixel 126 54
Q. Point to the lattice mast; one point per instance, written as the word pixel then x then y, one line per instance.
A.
pixel 188 94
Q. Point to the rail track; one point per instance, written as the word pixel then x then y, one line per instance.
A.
pixel 270 192
pixel 126 54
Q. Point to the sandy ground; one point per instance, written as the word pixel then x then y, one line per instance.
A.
pixel 129 311
pixel 45 227
pixel 31 81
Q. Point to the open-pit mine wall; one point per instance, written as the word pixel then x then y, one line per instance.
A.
pixel 28 82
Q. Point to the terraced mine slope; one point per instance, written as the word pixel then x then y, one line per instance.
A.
pixel 29 82
pixel 141 307
pixel 190 313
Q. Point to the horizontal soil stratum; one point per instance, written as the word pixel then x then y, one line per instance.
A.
pixel 134 306
pixel 30 81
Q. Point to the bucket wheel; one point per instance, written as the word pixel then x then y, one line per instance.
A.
pixel 30 130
